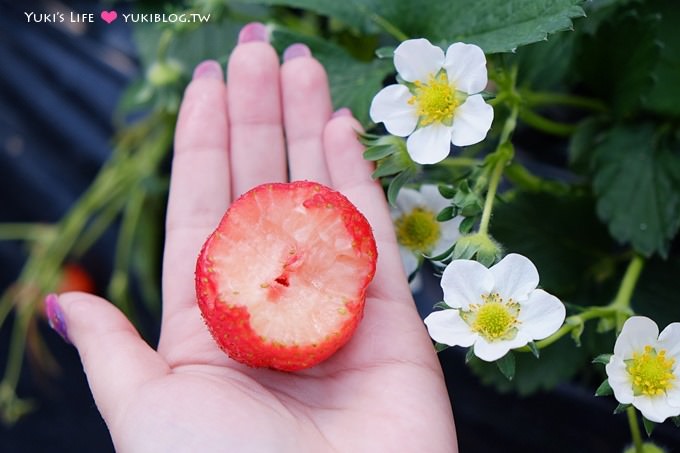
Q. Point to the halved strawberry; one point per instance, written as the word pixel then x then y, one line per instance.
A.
pixel 282 281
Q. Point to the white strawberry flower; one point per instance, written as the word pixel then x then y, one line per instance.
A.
pixel 418 231
pixel 439 103
pixel 494 309
pixel 645 368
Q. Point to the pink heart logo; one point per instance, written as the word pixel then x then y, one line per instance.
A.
pixel 109 16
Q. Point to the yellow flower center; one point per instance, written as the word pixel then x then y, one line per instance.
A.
pixel 494 319
pixel 651 372
pixel 436 100
pixel 418 230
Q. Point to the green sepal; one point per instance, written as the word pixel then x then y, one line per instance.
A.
pixel 439 347
pixel 467 224
pixel 388 166
pixel 397 183
pixel 442 305
pixel 577 332
pixel 470 354
pixel 606 324
pixel 602 359
pixel 534 349
pixel 649 425
pixel 446 191
pixel 385 52
pixel 676 421
pixel 377 152
pixel 506 365
pixel 446 214
pixel 604 389
pixel 621 408
pixel 442 256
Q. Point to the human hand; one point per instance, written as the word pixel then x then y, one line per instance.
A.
pixel 383 391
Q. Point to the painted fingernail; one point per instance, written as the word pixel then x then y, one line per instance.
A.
pixel 209 69
pixel 296 51
pixel 344 111
pixel 55 316
pixel 254 31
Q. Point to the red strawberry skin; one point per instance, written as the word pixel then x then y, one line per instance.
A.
pixel 229 321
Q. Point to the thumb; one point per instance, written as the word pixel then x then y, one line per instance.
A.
pixel 115 358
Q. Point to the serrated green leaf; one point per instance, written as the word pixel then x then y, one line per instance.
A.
pixel 621 408
pixel 583 141
pixel 439 347
pixel 353 83
pixel 563 226
pixel 397 183
pixel 378 152
pixel 534 349
pixel 506 365
pixel 649 426
pixel 445 214
pixel 602 359
pixel 495 27
pixel 604 389
pixel 617 61
pixel 637 183
pixel 665 91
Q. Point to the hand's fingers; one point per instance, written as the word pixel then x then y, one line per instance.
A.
pixel 351 174
pixel 257 147
pixel 306 110
pixel 199 188
pixel 115 358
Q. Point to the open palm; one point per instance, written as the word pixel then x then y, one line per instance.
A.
pixel 383 391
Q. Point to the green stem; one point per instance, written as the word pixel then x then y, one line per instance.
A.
pixel 496 175
pixel 457 162
pixel 388 26
pixel 634 429
pixel 543 124
pixel 630 278
pixel 536 99
pixel 24 231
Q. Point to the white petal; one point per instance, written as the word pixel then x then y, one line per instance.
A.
pixel 655 409
pixel 541 315
pixel 430 144
pixel 447 327
pixel 472 121
pixel 390 106
pixel 466 67
pixel 418 59
pixel 619 380
pixel 673 395
pixel 450 233
pixel 409 199
pixel 464 282
pixel 433 199
pixel 637 332
pixel 515 277
pixel 669 340
pixel 491 351
pixel 409 260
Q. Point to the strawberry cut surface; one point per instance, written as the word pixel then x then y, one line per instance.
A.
pixel 281 283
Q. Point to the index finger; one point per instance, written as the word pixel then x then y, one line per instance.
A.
pixel 199 186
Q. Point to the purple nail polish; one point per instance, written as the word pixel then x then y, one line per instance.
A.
pixel 344 111
pixel 55 316
pixel 208 69
pixel 252 32
pixel 296 51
